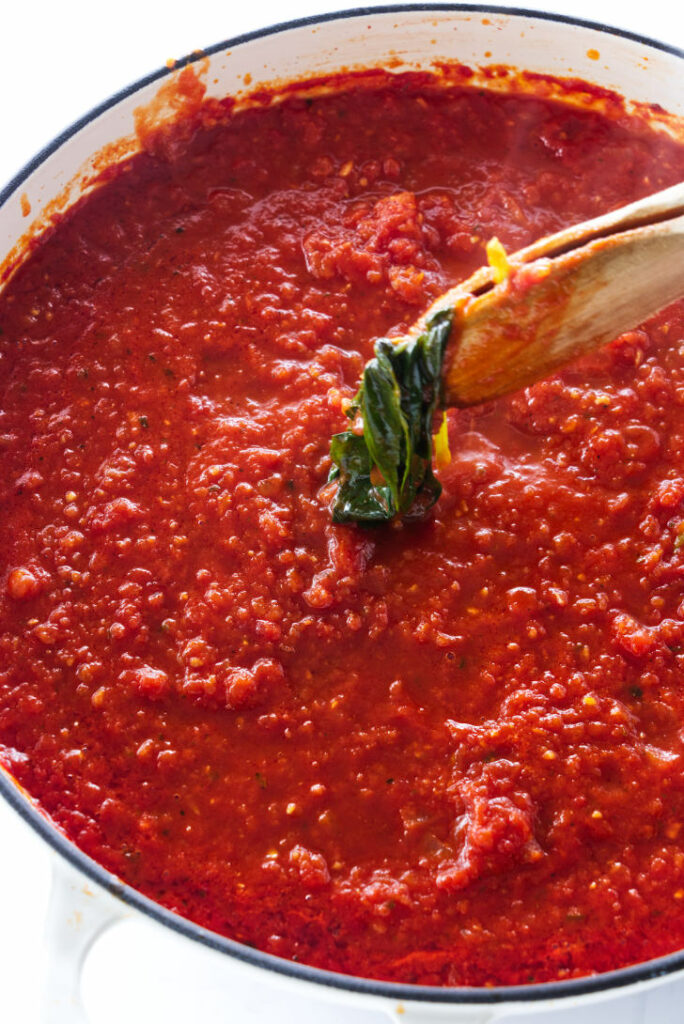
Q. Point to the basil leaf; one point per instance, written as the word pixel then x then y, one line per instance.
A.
pixel 358 500
pixel 387 471
pixel 383 421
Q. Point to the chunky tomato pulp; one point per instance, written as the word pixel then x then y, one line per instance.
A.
pixel 450 753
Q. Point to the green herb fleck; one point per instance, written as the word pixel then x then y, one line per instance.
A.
pixel 260 779
pixel 144 422
pixel 387 470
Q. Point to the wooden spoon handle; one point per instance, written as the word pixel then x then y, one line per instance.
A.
pixel 660 206
pixel 556 308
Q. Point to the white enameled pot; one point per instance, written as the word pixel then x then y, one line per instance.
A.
pixel 86 899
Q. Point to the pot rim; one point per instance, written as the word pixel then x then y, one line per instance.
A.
pixel 23 804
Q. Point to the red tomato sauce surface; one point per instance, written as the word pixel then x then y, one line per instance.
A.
pixel 450 753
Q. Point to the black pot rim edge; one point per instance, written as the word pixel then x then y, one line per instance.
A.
pixel 48 831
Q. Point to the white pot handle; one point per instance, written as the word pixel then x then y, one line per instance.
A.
pixel 431 1013
pixel 78 913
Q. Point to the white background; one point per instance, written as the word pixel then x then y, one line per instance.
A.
pixel 57 60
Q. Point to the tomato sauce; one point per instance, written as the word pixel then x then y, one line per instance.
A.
pixel 450 753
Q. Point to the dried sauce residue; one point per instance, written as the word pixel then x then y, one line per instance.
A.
pixel 177 101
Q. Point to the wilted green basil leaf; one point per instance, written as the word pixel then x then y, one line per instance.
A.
pixel 399 393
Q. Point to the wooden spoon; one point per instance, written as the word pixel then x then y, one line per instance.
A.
pixel 565 295
pixel 507 326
